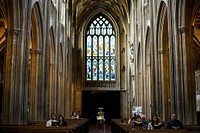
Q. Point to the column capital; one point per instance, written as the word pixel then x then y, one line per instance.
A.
pixel 14 31
pixel 38 51
pixel 182 29
pixel 160 51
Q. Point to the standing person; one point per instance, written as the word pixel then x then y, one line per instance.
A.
pixel 52 121
pixel 174 123
pixel 61 121
pixel 155 124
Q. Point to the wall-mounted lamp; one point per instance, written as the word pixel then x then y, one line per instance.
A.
pixel 122 50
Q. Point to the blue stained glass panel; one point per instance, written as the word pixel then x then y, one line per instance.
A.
pixel 106 69
pixel 100 69
pixel 95 69
pixel 88 75
pixel 112 69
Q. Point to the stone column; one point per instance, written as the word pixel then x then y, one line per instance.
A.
pixel 123 104
pixel 14 94
pixel 35 91
pixel 188 98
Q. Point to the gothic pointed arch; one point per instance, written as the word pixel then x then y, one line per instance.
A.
pixel 191 27
pixel 61 90
pixel 105 21
pixel 51 71
pixel 3 40
pixel 163 64
pixel 36 93
pixel 148 77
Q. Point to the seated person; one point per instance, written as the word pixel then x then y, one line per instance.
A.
pixel 52 121
pixel 174 123
pixel 144 121
pixel 138 124
pixel 155 123
pixel 61 121
pixel 132 119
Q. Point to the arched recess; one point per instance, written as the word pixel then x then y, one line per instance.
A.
pixel 147 80
pixel 117 30
pixel 114 86
pixel 3 39
pixel 36 92
pixel 52 104
pixel 163 58
pixel 195 19
pixel 61 91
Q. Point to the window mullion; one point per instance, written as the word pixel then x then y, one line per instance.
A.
pixel 109 59
pixel 92 59
pixel 97 57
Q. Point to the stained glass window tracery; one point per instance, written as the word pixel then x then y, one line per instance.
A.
pixel 100 51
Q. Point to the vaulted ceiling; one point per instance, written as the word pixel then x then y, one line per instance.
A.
pixel 118 8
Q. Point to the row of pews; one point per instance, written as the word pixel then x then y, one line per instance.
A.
pixel 118 127
pixel 74 126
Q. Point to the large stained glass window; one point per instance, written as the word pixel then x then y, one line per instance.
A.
pixel 101 48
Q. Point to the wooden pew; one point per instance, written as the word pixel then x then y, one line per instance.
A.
pixel 34 129
pixel 118 127
pixel 74 126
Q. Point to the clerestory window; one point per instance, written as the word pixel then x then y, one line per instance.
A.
pixel 100 51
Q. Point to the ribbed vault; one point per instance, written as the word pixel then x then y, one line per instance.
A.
pixel 118 8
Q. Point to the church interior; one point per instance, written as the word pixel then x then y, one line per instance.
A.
pixel 64 56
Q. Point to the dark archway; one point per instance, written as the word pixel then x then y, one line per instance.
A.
pixel 109 100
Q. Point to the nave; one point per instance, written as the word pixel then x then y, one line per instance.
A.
pixel 95 129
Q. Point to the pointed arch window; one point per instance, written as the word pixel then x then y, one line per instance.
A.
pixel 100 51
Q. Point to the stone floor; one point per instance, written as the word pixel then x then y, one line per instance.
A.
pixel 95 129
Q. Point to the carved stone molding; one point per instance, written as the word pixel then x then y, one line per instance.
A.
pixel 182 29
pixel 132 60
pixel 38 51
pixel 160 51
pixel 133 77
pixel 15 32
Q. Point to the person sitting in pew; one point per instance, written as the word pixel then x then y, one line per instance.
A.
pixel 61 121
pixel 155 123
pixel 132 119
pixel 52 121
pixel 144 121
pixel 138 124
pixel 174 123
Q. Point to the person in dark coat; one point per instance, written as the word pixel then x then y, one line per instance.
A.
pixel 174 123
pixel 61 121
